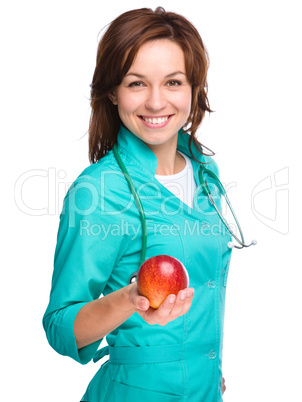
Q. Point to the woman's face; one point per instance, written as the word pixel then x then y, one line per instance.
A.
pixel 154 98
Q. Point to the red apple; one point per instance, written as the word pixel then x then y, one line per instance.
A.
pixel 161 276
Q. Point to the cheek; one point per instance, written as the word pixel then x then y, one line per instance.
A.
pixel 185 102
pixel 127 103
pixel 183 98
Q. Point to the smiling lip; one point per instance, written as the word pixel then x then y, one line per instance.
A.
pixel 155 121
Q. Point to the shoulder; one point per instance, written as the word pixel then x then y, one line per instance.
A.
pixel 183 145
pixel 94 175
pixel 208 162
pixel 97 185
pixel 211 164
pixel 95 171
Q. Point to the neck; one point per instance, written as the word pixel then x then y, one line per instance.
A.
pixel 169 161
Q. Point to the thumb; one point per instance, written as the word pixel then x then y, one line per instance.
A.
pixel 142 303
pixel 139 302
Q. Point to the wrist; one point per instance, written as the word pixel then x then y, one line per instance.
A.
pixel 127 304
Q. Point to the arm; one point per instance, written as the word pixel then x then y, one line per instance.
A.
pixel 99 317
pixel 76 318
pixel 118 306
pixel 83 263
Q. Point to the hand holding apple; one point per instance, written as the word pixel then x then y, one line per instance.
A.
pixel 173 306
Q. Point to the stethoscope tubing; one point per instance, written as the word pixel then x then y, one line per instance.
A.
pixel 207 192
pixel 137 201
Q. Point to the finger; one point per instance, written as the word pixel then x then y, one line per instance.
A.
pixel 187 303
pixel 223 385
pixel 183 302
pixel 140 302
pixel 159 316
pixel 165 308
pixel 165 313
pixel 143 303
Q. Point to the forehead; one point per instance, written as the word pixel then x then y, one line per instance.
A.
pixel 159 55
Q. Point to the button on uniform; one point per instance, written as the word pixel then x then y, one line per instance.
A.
pixel 211 284
pixel 211 355
pixel 205 225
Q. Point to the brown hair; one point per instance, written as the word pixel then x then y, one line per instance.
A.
pixel 115 55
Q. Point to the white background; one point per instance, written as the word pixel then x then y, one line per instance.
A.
pixel 48 54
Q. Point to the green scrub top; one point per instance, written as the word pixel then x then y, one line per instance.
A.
pixel 98 248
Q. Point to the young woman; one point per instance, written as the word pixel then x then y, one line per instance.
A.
pixel 148 97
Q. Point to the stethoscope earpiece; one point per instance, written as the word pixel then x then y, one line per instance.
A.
pixel 232 245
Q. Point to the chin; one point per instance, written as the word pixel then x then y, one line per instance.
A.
pixel 156 138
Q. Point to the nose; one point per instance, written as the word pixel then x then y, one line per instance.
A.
pixel 155 99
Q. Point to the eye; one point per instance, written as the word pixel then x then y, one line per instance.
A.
pixel 173 83
pixel 136 84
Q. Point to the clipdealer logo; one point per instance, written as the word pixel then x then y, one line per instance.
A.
pixel 270 201
pixel 51 185
pixel 269 197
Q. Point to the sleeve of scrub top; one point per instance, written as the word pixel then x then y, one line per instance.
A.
pixel 84 259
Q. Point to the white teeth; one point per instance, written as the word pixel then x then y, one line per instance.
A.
pixel 155 120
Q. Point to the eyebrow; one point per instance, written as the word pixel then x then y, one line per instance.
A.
pixel 167 76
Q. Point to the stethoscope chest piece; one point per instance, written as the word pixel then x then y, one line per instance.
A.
pixel 133 278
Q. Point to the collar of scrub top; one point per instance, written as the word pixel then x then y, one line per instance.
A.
pixel 140 154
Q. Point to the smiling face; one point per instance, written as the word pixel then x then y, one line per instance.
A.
pixel 154 97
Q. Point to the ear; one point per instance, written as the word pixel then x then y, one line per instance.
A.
pixel 112 96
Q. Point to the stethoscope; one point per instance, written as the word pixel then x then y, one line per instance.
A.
pixel 207 192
